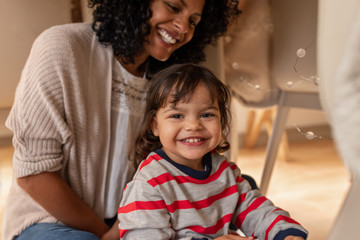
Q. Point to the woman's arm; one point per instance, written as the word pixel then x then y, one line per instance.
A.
pixel 56 197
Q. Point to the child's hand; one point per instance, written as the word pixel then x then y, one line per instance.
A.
pixel 293 238
pixel 235 237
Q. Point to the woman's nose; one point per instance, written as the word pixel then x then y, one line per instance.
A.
pixel 181 24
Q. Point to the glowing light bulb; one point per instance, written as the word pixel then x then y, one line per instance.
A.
pixel 289 84
pixel 309 135
pixel 301 53
pixel 235 65
pixel 227 39
pixel 315 80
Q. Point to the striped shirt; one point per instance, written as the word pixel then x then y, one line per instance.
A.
pixel 166 200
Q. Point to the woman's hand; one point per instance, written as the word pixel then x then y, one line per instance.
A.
pixel 235 237
pixel 113 233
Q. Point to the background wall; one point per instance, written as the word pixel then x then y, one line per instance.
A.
pixel 21 21
pixel 292 25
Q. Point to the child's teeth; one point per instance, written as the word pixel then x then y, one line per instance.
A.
pixel 192 140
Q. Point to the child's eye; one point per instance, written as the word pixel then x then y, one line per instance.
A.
pixel 207 115
pixel 176 116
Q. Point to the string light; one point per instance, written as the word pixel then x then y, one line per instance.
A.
pixel 309 135
pixel 248 81
pixel 300 53
pixel 235 66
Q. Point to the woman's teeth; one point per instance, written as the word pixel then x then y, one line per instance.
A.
pixel 166 37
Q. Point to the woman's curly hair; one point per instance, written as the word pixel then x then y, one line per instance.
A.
pixel 175 84
pixel 123 25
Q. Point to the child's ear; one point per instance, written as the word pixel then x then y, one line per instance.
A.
pixel 154 127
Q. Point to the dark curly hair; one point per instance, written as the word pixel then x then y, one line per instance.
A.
pixel 123 25
pixel 178 83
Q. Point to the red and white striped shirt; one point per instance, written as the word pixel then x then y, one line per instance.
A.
pixel 166 200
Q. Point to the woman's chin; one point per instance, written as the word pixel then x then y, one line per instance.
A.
pixel 162 58
pixel 162 55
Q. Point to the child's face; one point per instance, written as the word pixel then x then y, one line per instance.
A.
pixel 190 129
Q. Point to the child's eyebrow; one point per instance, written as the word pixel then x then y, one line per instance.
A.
pixel 172 108
pixel 210 108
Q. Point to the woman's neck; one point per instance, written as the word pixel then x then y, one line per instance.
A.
pixel 136 68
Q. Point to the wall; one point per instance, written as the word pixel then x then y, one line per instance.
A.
pixel 21 21
pixel 293 25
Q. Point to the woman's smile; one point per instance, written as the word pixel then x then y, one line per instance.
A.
pixel 172 25
pixel 166 37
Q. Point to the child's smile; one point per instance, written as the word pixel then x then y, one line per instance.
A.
pixel 193 140
pixel 190 129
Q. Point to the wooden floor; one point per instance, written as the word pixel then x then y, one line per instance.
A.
pixel 311 185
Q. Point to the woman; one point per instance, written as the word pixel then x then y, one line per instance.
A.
pixel 79 103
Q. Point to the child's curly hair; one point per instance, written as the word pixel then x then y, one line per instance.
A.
pixel 178 83
pixel 123 25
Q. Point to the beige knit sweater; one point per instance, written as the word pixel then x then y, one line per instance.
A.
pixel 61 120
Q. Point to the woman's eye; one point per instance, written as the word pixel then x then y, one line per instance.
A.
pixel 173 7
pixel 192 22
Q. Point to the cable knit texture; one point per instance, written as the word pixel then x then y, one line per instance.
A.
pixel 61 119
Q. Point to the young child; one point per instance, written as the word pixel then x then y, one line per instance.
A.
pixel 185 188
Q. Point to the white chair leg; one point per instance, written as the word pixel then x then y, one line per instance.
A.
pixel 274 142
pixel 233 135
pixel 307 100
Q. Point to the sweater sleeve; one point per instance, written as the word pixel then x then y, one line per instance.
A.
pixel 257 216
pixel 143 214
pixel 37 117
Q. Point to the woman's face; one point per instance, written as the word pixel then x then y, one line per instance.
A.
pixel 173 23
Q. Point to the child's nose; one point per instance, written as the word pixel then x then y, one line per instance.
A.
pixel 193 124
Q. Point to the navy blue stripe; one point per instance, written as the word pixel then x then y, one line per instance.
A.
pixel 290 232
pixel 200 175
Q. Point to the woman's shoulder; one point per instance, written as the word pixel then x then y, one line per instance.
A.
pixel 63 43
pixel 72 33
pixel 70 29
